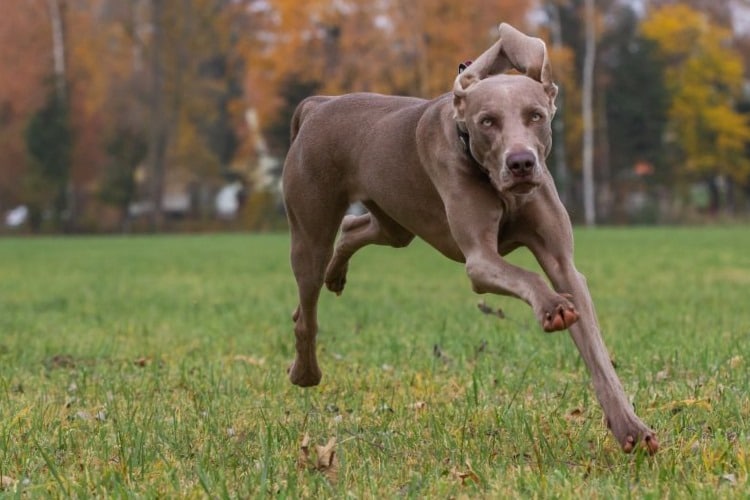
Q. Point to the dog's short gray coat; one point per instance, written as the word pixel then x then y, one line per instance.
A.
pixel 466 173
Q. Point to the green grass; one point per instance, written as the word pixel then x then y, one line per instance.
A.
pixel 155 367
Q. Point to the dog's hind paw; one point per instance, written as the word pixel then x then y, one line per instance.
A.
pixel 336 279
pixel 304 376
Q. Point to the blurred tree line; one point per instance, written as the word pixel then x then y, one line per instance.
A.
pixel 137 114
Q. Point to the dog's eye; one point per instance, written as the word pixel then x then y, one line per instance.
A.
pixel 536 116
pixel 487 122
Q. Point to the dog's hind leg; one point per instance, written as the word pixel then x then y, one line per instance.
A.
pixel 372 228
pixel 313 227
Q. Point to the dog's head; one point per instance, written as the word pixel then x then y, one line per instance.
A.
pixel 508 116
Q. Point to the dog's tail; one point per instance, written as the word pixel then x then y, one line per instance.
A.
pixel 303 109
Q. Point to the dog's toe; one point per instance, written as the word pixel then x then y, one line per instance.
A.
pixel 559 317
pixel 633 434
pixel 569 315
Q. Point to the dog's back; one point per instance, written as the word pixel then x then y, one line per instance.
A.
pixel 336 140
pixel 351 113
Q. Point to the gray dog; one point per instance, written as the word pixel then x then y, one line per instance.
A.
pixel 466 173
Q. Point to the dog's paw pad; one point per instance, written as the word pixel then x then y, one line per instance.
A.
pixel 560 318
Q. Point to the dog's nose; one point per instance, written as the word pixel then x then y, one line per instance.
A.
pixel 521 163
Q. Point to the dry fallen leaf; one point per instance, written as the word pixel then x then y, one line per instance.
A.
pixel 60 361
pixel 729 478
pixel 575 415
pixel 6 482
pixel 419 405
pixel 325 460
pixel 676 406
pixel 250 360
pixel 304 452
pixel 735 362
pixel 83 415
pixel 485 309
pixel 142 361
pixel 464 476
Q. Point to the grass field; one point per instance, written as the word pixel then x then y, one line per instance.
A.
pixel 155 367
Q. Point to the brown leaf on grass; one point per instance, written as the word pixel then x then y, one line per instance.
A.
pixel 304 452
pixel 325 460
pixel 6 482
pixel 250 360
pixel 485 309
pixel 60 361
pixel 728 478
pixel 466 475
pixel 575 415
pixel 83 415
pixel 678 406
pixel 142 361
pixel 418 405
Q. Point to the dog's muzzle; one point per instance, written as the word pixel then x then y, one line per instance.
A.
pixel 522 169
pixel 521 164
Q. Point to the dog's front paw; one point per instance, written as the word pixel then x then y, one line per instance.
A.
pixel 633 433
pixel 559 315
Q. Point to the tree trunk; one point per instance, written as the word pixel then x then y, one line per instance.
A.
pixel 65 210
pixel 56 9
pixel 604 200
pixel 562 177
pixel 157 135
pixel 589 205
pixel 138 25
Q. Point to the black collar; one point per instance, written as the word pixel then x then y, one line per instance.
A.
pixel 465 140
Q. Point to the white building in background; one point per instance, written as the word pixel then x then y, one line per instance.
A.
pixel 17 216
pixel 227 203
pixel 264 177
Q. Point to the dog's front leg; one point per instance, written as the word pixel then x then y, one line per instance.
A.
pixel 553 248
pixel 490 273
pixel 627 428
pixel 474 225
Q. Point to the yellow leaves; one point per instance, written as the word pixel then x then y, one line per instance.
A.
pixel 324 460
pixel 675 28
pixel 704 75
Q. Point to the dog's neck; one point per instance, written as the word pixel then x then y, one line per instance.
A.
pixel 465 140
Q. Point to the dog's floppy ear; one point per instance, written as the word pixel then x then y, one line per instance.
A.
pixel 513 50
